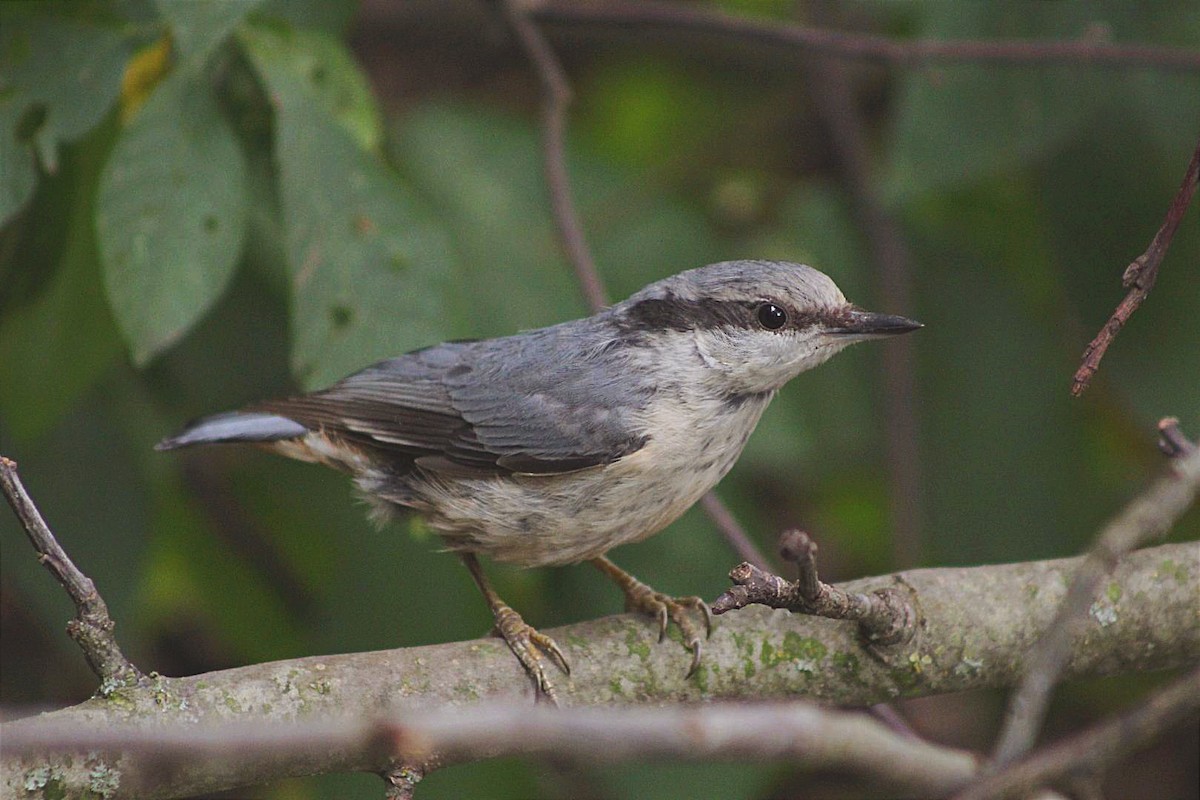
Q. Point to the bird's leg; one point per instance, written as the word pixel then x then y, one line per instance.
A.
pixel 526 642
pixel 640 597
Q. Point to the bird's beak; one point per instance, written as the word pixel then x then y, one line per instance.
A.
pixel 868 325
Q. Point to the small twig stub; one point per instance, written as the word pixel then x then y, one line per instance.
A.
pixel 885 616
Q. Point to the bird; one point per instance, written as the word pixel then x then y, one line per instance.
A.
pixel 552 446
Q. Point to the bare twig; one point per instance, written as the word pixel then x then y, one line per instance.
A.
pixel 833 93
pixel 676 18
pixel 885 616
pixel 1139 278
pixel 92 628
pixel 1093 750
pixel 1147 516
pixel 804 734
pixel 243 536
pixel 556 96
pixel 732 530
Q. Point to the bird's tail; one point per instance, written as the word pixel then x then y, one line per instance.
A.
pixel 235 426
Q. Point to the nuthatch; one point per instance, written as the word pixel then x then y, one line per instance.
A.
pixel 555 445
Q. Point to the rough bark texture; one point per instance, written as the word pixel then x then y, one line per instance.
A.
pixel 976 626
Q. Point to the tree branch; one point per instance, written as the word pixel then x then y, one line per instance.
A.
pixel 92 628
pixel 1139 278
pixel 556 96
pixel 974 628
pixel 661 17
pixel 1149 515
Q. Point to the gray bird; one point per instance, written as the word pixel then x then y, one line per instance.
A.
pixel 555 445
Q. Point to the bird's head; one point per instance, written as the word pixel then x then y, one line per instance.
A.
pixel 755 324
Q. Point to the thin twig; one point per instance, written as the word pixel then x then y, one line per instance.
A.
pixel 92 628
pixel 884 616
pixel 1139 278
pixel 242 535
pixel 831 89
pixel 1095 749
pixel 1150 514
pixel 660 17
pixel 556 96
pixel 732 530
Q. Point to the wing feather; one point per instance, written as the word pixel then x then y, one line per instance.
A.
pixel 459 409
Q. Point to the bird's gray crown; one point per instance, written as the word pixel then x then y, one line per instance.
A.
pixel 726 294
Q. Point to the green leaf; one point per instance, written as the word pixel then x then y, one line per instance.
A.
pixel 171 215
pixel 197 28
pixel 370 264
pixel 57 79
pixel 320 68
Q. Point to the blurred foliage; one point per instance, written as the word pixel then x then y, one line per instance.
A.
pixel 205 204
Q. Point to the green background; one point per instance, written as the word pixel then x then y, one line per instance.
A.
pixel 294 190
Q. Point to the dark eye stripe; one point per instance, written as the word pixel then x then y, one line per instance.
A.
pixel 675 313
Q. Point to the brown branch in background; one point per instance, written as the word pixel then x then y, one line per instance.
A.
pixel 732 530
pixel 833 94
pixel 1090 752
pixel 556 96
pixel 1139 278
pixel 884 616
pixel 241 533
pixel 1149 515
pixel 661 17
pixel 92 628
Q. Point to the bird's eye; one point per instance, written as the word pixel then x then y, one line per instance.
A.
pixel 771 316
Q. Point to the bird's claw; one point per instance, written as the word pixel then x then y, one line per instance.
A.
pixel 528 644
pixel 669 609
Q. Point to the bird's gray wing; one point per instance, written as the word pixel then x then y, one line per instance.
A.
pixel 475 408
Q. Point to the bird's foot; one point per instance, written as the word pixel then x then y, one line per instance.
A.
pixel 664 608
pixel 532 648
pixel 529 645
